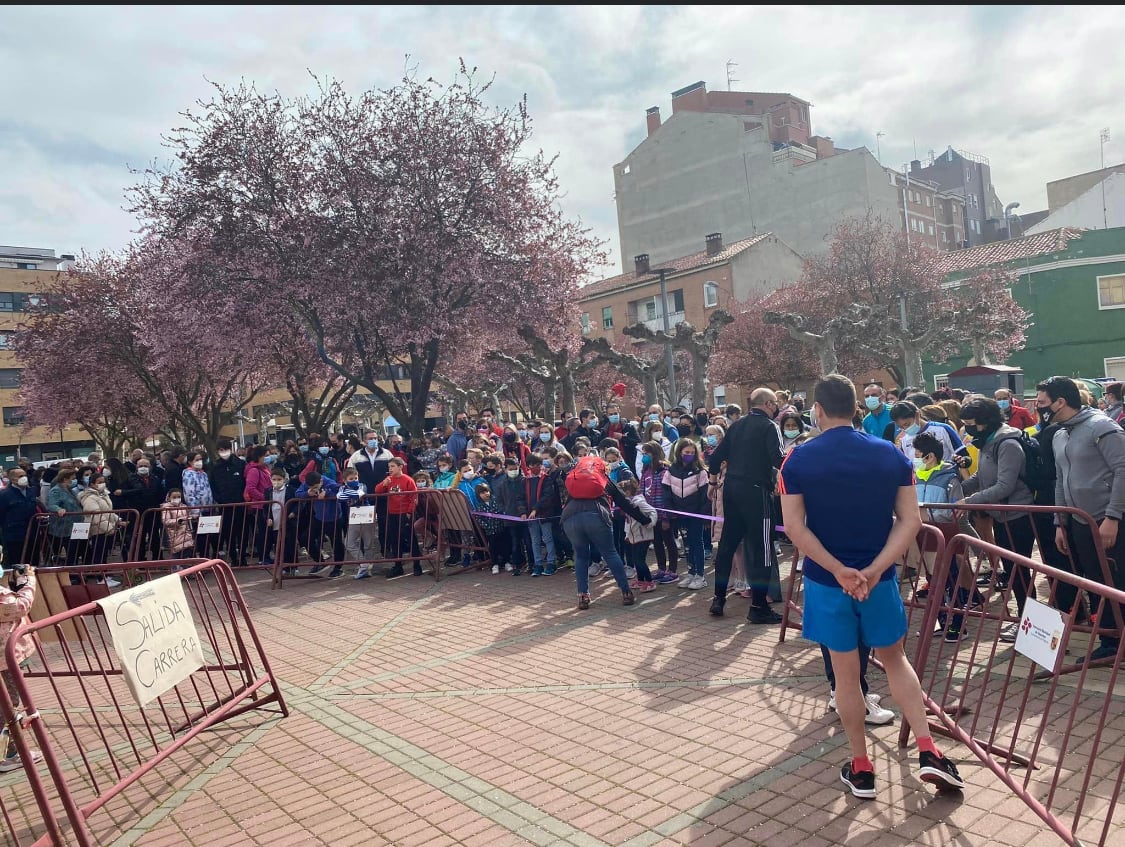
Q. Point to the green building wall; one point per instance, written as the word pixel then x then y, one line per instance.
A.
pixel 1070 335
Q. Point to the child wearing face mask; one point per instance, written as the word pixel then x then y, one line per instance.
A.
pixel 651 460
pixel 684 485
pixel 425 514
pixel 445 475
pixel 359 542
pixel 272 516
pixel 510 494
pixel 179 539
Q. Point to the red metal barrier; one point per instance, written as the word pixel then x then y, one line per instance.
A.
pixel 57 540
pixel 989 696
pixel 327 536
pixel 96 741
pixel 234 531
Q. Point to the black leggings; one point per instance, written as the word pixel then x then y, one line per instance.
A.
pixel 637 557
pixel 1017 535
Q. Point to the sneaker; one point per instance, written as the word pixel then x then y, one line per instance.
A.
pixel 1103 651
pixel 508 567
pixel 939 771
pixel 646 587
pixel 111 583
pixel 697 582
pixel 362 573
pixel 495 569
pixel 417 569
pixel 583 601
pixel 537 572
pixel 862 784
pixel 395 571
pixel 285 571
pixel 630 573
pixel 336 572
pixel 876 714
pixel 316 568
pixel 685 580
pixel 628 598
pixel 596 570
pixel 1008 633
pixel 923 592
pixel 739 586
pixel 15 763
pixel 549 570
pixel 666 578
pixel 717 604
pixel 952 635
pixel 762 615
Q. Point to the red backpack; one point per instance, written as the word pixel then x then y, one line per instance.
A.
pixel 588 479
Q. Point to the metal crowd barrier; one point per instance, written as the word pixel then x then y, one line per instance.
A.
pixel 56 540
pixel 96 741
pixel 1062 724
pixel 319 537
pixel 234 531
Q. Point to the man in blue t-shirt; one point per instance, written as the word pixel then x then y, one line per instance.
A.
pixel 849 505
pixel 878 415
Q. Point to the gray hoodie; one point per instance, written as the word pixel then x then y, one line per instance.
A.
pixel 998 477
pixel 1090 459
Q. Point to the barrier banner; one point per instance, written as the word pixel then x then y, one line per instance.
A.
pixel 154 636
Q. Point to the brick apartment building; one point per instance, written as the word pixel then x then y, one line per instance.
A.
pixel 697 283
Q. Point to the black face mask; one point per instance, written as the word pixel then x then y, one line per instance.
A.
pixel 701 419
pixel 510 437
pixel 1045 414
pixel 684 430
pixel 462 424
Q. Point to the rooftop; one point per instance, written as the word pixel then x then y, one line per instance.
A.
pixel 1002 252
pixel 680 265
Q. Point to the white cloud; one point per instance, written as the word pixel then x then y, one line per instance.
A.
pixel 88 91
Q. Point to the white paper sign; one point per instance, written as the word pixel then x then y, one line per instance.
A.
pixel 1040 633
pixel 154 636
pixel 209 524
pixel 361 515
pixel 80 531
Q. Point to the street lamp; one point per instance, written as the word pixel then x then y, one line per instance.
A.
pixel 663 272
pixel 1008 216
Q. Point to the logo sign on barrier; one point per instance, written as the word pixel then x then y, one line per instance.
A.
pixel 80 531
pixel 154 636
pixel 1040 633
pixel 209 525
pixel 361 515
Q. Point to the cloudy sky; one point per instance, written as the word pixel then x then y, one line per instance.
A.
pixel 87 92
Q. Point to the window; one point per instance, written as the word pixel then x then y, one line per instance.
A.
pixel 650 309
pixel 944 237
pixel 34 301
pixel 607 317
pixel 968 175
pixel 720 395
pixel 13 416
pixel 10 377
pixel 710 294
pixel 27 266
pixel 941 381
pixel 585 323
pixel 10 301
pixel 1111 292
pixel 6 339
pixel 929 200
pixel 676 301
pixel 931 229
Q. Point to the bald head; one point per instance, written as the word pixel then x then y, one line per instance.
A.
pixel 762 397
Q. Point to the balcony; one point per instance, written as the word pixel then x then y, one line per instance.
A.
pixel 657 323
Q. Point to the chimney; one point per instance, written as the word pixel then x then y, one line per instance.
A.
pixel 641 263
pixel 714 244
pixel 915 165
pixel 652 116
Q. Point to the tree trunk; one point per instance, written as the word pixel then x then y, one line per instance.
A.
pixel 550 400
pixel 651 394
pixel 568 392
pixel 829 363
pixel 698 380
pixel 912 366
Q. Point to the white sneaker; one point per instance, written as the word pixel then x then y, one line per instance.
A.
pixel 508 567
pixel 876 714
pixel 684 580
pixel 596 570
pixel 872 700
pixel 630 573
pixel 111 582
pixel 496 569
pixel 698 581
pixel 15 763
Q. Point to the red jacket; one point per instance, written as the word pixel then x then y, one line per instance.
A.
pixel 404 494
pixel 1019 417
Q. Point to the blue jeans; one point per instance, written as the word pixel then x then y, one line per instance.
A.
pixel 541 535
pixel 693 529
pixel 593 530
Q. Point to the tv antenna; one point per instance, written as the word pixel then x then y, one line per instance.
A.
pixel 731 65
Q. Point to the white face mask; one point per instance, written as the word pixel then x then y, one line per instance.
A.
pixel 197 464
pixel 278 484
pixel 102 487
pixel 224 454
pixel 512 474
pixel 143 471
pixel 175 501
pixel 23 482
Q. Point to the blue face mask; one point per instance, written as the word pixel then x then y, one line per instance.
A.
pixel 270 459
pixel 372 444
pixel 322 451
pixel 646 460
pixel 545 437
pixel 712 440
pixel 353 484
pixel 523 434
pixel 872 403
pixel 614 418
pixel 1004 404
pixel 304 448
pixel 913 429
pixel 654 417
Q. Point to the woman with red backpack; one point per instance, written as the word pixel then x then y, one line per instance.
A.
pixel 587 523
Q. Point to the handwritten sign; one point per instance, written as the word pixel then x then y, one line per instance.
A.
pixel 154 636
pixel 80 531
pixel 209 525
pixel 1040 633
pixel 358 515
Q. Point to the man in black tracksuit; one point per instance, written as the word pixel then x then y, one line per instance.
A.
pixel 228 484
pixel 752 452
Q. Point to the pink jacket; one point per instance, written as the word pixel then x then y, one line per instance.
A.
pixel 14 607
pixel 258 485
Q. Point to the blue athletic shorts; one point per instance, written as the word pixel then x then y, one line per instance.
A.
pixel 840 622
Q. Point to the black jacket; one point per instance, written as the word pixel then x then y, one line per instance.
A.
pixel 751 449
pixel 510 495
pixel 143 494
pixel 228 480
pixel 174 476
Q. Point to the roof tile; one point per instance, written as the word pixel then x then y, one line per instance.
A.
pixel 1001 252
pixel 684 263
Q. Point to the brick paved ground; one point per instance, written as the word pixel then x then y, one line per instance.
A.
pixel 487 710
